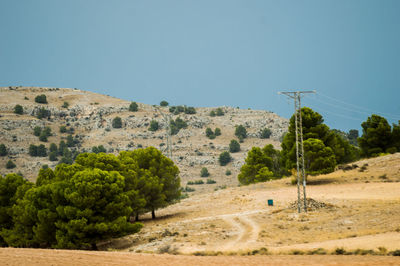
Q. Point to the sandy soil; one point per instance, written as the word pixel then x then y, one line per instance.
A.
pixel 31 257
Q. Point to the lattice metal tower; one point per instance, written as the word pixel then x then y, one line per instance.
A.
pixel 301 173
pixel 167 120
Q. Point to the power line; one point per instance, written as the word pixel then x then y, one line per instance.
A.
pixel 392 116
pixel 296 96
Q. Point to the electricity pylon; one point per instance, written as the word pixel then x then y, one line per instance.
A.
pixel 296 95
pixel 167 120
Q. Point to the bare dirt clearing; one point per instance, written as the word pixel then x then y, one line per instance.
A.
pixel 10 256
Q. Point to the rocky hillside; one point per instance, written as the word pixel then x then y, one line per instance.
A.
pixel 91 114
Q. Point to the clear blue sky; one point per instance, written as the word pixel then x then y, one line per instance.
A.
pixel 212 52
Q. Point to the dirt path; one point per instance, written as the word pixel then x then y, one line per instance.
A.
pixel 41 257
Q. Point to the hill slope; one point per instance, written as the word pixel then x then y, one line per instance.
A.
pixel 91 114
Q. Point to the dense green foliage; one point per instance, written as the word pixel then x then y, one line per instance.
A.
pixel 177 125
pixel 39 150
pixel 154 126
pixel 41 98
pixel 117 122
pixel 10 164
pixel 36 131
pixel 63 129
pixel 240 132
pixel 164 103
pixel 212 134
pixel 43 113
pixel 133 107
pixel 98 149
pixel 3 150
pixel 224 158
pixel 18 109
pixel 176 110
pixel 378 136
pixel 314 129
pixel 204 172
pixel 65 105
pixel 77 205
pixel 219 112
pixel 234 146
pixel 265 133
pixel 261 165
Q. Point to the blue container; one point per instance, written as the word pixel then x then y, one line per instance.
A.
pixel 270 202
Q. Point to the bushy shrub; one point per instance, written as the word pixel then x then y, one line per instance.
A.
pixel 164 103
pixel 265 133
pixel 240 132
pixel 228 172
pixel 10 165
pixel 154 126
pixel 176 110
pixel 211 181
pixel 98 149
pixel 224 158
pixel 196 182
pixel 41 98
pixel 217 132
pixel 65 105
pixel 117 122
pixel 204 172
pixel 36 131
pixel 53 156
pixel 177 125
pixel 18 109
pixel 133 107
pixel 43 113
pixel 3 150
pixel 234 146
pixel 63 129
pixel 43 137
pixel 219 112
pixel 212 113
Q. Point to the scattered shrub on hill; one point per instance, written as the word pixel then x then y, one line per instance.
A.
pixel 53 156
pixel 164 103
pixel 117 122
pixel 204 172
pixel 133 107
pixel 70 141
pixel 18 109
pixel 176 110
pixel 209 133
pixel 224 158
pixel 240 132
pixel 154 126
pixel 36 131
pixel 99 149
pixel 212 113
pixel 188 189
pixel 219 112
pixel 217 131
pixel 41 98
pixel 3 150
pixel 41 151
pixel 196 182
pixel 32 150
pixel 177 125
pixel 63 129
pixel 43 137
pixel 43 113
pixel 53 147
pixel 10 164
pixel 61 147
pixel 211 181
pixel 228 172
pixel 265 133
pixel 234 146
pixel 65 105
